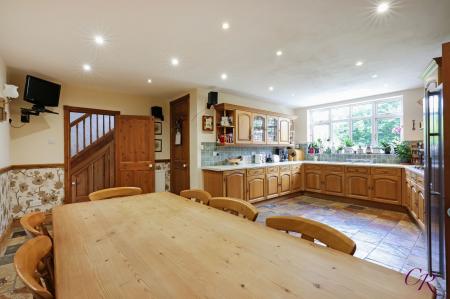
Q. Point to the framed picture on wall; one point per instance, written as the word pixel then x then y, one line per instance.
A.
pixel 158 145
pixel 208 123
pixel 158 128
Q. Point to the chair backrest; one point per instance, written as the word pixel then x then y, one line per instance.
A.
pixel 33 223
pixel 312 230
pixel 114 192
pixel 235 206
pixel 26 261
pixel 198 195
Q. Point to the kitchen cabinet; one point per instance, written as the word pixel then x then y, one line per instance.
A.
pixel 296 179
pixel 285 183
pixel 313 178
pixel 385 188
pixel 244 127
pixel 272 185
pixel 259 128
pixel 272 130
pixel 234 184
pixel 414 197
pixel 357 185
pixel 284 124
pixel 333 180
pixel 255 188
pixel 421 205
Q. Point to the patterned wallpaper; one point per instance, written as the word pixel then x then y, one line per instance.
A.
pixel 5 203
pixel 35 190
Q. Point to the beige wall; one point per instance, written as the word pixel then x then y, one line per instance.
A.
pixel 4 126
pixel 411 111
pixel 42 140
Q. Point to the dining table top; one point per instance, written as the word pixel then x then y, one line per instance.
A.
pixel 161 245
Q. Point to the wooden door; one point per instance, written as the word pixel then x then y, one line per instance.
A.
pixel 244 126
pixel 135 152
pixel 179 151
pixel 272 185
pixel 297 181
pixel 358 186
pixel 313 181
pixel 387 189
pixel 284 130
pixel 255 188
pixel 285 183
pixel 333 183
pixel 234 184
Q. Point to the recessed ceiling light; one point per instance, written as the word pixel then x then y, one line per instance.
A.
pixel 359 63
pixel 374 76
pixel 271 88
pixel 87 67
pixel 174 61
pixel 99 40
pixel 224 76
pixel 279 53
pixel 149 81
pixel 383 7
pixel 225 25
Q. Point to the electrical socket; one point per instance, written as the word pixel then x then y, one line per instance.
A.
pixel 215 154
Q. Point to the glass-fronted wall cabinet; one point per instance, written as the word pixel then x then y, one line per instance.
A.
pixel 272 129
pixel 259 129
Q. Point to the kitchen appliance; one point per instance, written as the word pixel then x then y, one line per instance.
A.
pixel 283 153
pixel 295 154
pixel 434 180
pixel 276 158
pixel 259 158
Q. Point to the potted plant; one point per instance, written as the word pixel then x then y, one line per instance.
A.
pixel 348 145
pixel 403 151
pixel 313 148
pixel 386 146
pixel 339 149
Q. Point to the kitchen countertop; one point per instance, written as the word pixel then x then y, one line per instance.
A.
pixel 246 166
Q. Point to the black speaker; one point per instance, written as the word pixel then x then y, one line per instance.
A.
pixel 212 98
pixel 157 112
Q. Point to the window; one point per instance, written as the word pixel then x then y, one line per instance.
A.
pixel 367 123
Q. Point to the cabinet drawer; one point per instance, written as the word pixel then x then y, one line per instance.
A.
pixel 255 171
pixel 312 167
pixel 285 168
pixel 333 168
pixel 410 175
pixel 272 169
pixel 296 168
pixel 229 172
pixel 361 170
pixel 387 171
pixel 419 180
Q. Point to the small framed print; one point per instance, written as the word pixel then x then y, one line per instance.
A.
pixel 208 123
pixel 158 128
pixel 158 145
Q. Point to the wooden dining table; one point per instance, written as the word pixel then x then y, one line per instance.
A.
pixel 161 245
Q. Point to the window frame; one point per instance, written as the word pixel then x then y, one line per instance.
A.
pixel 373 118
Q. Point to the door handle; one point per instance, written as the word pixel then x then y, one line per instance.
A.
pixel 74 183
pixel 150 165
pixel 184 165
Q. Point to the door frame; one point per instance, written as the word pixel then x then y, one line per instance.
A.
pixel 67 158
pixel 172 137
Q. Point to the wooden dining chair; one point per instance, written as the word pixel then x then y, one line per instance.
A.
pixel 312 230
pixel 197 195
pixel 28 262
pixel 34 224
pixel 114 192
pixel 235 206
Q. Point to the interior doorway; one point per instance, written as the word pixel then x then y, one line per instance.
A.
pixel 179 144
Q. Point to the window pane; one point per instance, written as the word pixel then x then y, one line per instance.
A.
pixel 362 132
pixel 389 107
pixel 362 110
pixel 340 131
pixel 340 113
pixel 320 115
pixel 321 132
pixel 388 129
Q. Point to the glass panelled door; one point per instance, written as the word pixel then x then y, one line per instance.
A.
pixel 272 130
pixel 259 129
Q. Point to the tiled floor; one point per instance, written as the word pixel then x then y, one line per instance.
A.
pixel 383 237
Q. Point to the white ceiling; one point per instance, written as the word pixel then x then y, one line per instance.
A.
pixel 321 41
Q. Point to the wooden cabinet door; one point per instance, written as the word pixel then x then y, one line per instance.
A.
pixel 357 186
pixel 414 202
pixel 285 183
pixel 420 205
pixel 284 130
pixel 297 181
pixel 234 184
pixel 313 181
pixel 408 195
pixel 272 130
pixel 255 188
pixel 259 129
pixel 387 189
pixel 244 127
pixel 271 185
pixel 333 183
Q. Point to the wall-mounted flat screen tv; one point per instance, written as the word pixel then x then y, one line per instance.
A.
pixel 41 93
